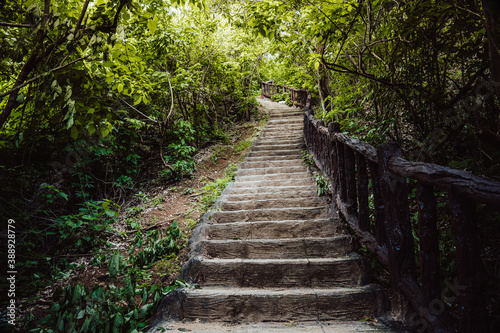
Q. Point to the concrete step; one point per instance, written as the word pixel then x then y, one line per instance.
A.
pixel 278 122
pixel 289 120
pixel 271 214
pixel 272 142
pixel 281 136
pixel 274 183
pixel 271 170
pixel 301 146
pixel 270 165
pixel 272 229
pixel 229 205
pixel 285 115
pixel 277 152
pixel 292 248
pixel 281 131
pixel 333 326
pixel 282 123
pixel 274 176
pixel 258 305
pixel 276 273
pixel 272 195
pixel 283 127
pixel 286 191
pixel 297 156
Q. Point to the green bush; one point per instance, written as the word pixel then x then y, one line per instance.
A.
pixel 321 184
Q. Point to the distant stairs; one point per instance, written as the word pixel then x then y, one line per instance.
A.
pixel 271 253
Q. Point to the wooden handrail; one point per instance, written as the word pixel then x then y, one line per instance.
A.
pixel 350 163
pixel 297 96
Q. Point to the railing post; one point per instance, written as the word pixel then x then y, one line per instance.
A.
pixel 350 174
pixel 378 205
pixel 321 147
pixel 364 213
pixel 332 129
pixel 471 310
pixel 341 170
pixel 429 242
pixel 398 228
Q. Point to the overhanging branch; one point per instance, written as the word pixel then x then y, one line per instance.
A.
pixel 15 89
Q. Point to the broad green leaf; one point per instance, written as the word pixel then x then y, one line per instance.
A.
pixel 81 314
pixel 91 129
pixel 68 93
pixel 138 100
pixel 118 322
pixel 152 26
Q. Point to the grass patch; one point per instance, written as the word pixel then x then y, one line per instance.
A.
pixel 212 190
pixel 243 145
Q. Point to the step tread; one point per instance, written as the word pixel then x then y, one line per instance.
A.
pixel 273 253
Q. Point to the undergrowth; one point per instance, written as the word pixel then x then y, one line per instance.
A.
pixel 127 303
pixel 212 190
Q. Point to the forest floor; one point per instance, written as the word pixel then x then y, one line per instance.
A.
pixel 180 201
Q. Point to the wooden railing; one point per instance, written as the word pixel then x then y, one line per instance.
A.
pixel 298 97
pixel 359 173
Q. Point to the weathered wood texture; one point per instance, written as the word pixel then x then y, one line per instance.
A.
pixel 369 190
pixel 297 96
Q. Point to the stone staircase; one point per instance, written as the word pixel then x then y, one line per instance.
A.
pixel 269 253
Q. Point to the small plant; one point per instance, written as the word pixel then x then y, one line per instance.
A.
pixel 280 96
pixel 104 309
pixel 307 159
pixel 87 226
pixel 214 189
pixel 181 159
pixel 321 184
pixel 50 193
pixel 242 146
pixel 159 247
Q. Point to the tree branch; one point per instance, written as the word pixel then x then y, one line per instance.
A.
pixel 35 58
pixel 82 15
pixel 40 76
pixel 342 69
pixel 135 109
pixel 14 25
pixel 118 11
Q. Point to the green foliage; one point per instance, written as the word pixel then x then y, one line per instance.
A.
pixel 243 145
pixel 279 96
pixel 212 190
pixel 49 194
pixel 307 159
pixel 104 309
pixel 158 247
pixel 415 73
pixel 181 160
pixel 85 228
pixel 125 306
pixel 322 184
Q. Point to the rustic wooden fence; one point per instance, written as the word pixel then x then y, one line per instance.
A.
pixel 359 173
pixel 297 96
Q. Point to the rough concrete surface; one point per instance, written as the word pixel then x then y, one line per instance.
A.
pixel 268 258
